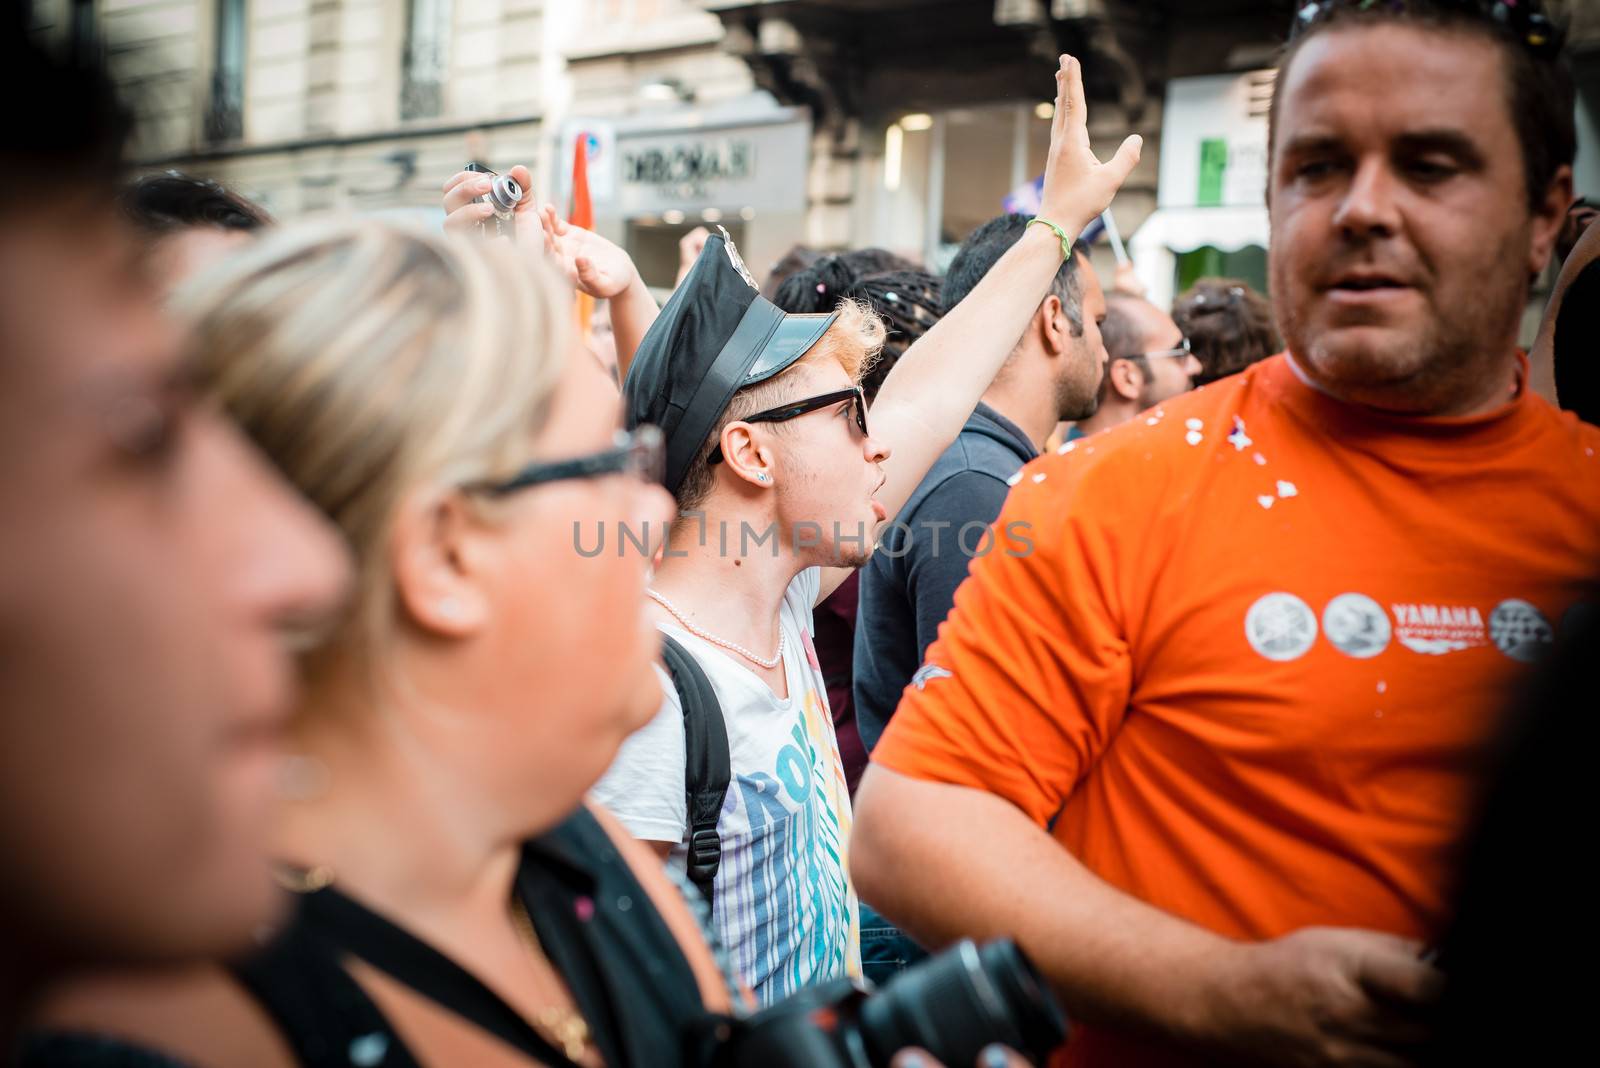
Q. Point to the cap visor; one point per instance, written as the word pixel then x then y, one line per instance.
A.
pixel 791 340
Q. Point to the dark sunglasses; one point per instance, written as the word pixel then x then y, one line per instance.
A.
pixel 1522 19
pixel 785 412
pixel 640 452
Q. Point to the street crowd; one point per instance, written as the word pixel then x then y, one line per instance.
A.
pixel 423 648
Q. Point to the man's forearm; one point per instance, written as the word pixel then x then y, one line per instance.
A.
pixel 632 313
pixel 937 383
pixel 947 862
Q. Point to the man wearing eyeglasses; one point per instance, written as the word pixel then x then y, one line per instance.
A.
pixel 1206 752
pixel 1147 361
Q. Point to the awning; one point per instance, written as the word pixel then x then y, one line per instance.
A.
pixel 1168 231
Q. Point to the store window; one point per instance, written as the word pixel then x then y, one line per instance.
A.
pixel 225 114
pixel 944 174
pixel 652 241
pixel 988 153
pixel 426 59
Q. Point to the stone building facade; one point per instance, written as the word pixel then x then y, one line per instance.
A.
pixel 832 123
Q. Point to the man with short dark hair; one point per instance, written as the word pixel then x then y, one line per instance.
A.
pixel 1052 373
pixel 1205 750
pixel 1147 361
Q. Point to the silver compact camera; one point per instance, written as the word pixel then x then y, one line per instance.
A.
pixel 504 194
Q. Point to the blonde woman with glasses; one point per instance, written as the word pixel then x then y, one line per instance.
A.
pixel 453 901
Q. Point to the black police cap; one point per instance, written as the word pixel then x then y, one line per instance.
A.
pixel 716 335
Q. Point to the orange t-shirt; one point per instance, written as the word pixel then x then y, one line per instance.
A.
pixel 1244 649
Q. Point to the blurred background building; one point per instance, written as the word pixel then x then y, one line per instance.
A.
pixel 831 123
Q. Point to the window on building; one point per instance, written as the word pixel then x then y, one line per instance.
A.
pixel 85 41
pixel 225 115
pixel 946 173
pixel 426 59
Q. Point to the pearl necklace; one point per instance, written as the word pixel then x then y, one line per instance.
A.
pixel 714 640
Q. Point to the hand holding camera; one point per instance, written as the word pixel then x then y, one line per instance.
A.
pixel 477 200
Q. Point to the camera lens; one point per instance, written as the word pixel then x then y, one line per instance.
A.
pixel 506 192
pixel 961 1001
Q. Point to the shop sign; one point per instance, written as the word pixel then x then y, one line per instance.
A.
pixel 760 166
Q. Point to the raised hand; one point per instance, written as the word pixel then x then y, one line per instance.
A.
pixel 1077 186
pixel 592 264
pixel 689 246
pixel 461 215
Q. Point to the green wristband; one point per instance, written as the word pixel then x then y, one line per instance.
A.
pixel 1066 242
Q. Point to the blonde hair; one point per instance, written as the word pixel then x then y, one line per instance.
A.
pixel 853 341
pixel 365 359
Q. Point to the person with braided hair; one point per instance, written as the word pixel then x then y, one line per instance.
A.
pixel 909 301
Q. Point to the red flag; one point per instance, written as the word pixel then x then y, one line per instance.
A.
pixel 582 208
pixel 582 214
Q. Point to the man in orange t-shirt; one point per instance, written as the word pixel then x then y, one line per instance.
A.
pixel 1199 732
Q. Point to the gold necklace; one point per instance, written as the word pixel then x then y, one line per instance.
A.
pixel 303 881
pixel 566 1027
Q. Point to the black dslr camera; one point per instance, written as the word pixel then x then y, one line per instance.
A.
pixel 953 1006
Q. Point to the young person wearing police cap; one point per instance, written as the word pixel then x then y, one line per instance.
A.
pixel 782 477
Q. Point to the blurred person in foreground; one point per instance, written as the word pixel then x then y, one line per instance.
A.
pixel 457 902
pixel 1228 325
pixel 149 563
pixel 1512 941
pixel 1147 361
pixel 909 304
pixel 190 222
pixel 768 433
pixel 1205 750
pixel 1569 335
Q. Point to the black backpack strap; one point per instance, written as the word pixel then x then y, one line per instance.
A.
pixel 707 769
